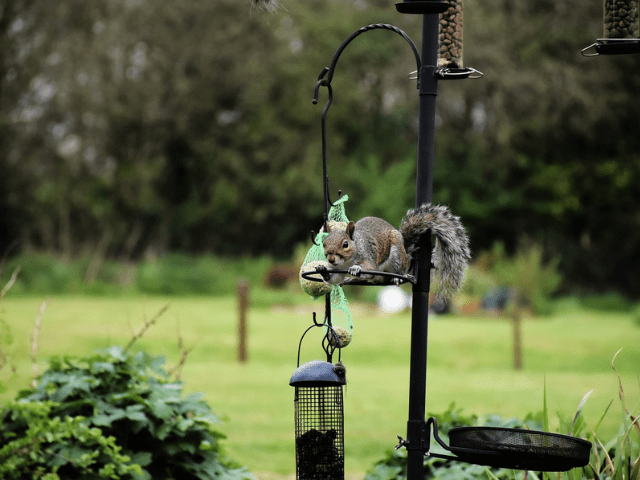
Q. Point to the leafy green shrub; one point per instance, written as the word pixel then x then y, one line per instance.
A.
pixel 636 315
pixel 478 281
pixel 179 274
pixel 534 279
pixel 39 445
pixel 43 273
pixel 172 274
pixel 609 302
pixel 125 405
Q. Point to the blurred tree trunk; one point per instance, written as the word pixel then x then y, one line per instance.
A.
pixel 98 257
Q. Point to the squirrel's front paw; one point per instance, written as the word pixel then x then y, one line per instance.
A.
pixel 355 270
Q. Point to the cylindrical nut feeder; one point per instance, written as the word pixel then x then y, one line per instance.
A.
pixel 450 36
pixel 319 419
pixel 621 33
pixel 621 19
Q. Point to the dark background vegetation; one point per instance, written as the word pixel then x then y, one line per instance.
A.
pixel 130 129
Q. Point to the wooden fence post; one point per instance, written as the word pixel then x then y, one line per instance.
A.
pixel 516 320
pixel 243 304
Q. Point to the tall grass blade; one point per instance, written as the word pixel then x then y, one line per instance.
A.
pixel 602 417
pixel 580 407
pixel 607 458
pixel 545 411
pixel 635 469
pixel 614 359
pixel 634 419
pixel 595 472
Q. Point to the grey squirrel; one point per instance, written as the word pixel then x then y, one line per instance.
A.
pixel 372 243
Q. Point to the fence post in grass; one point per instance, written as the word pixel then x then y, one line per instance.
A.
pixel 517 340
pixel 516 320
pixel 243 303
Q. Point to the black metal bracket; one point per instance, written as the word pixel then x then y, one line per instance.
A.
pixel 611 46
pixel 431 425
pixel 428 80
pixel 454 73
pixel 322 273
pixel 328 346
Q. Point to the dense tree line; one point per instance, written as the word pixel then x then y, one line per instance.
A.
pixel 130 127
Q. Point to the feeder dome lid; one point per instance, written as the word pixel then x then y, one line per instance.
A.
pixel 316 373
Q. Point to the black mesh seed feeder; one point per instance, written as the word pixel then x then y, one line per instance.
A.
pixel 621 32
pixel 318 398
pixel 319 421
pixel 319 415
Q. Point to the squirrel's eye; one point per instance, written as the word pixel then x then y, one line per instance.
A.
pixel 345 244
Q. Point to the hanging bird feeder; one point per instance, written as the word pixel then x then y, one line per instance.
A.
pixel 319 414
pixel 319 419
pixel 621 32
pixel 450 36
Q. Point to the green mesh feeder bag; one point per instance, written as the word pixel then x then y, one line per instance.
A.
pixel 341 332
pixel 315 256
pixel 337 216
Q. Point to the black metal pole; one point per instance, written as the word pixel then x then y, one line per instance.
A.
pixel 428 88
pixel 427 120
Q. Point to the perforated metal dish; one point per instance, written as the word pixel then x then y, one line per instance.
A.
pixel 519 449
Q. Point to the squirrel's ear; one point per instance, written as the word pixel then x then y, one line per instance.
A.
pixel 328 227
pixel 350 229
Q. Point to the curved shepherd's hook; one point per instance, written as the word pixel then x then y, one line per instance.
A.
pixel 324 80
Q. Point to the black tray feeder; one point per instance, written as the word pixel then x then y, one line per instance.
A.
pixel 512 448
pixel 318 397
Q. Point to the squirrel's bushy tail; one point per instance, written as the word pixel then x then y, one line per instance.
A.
pixel 451 254
pixel 265 4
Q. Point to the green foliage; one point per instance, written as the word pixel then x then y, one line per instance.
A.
pixel 42 273
pixel 115 414
pixel 617 458
pixel 636 315
pixel 607 302
pixel 533 278
pixel 39 444
pixel 382 189
pixel 6 339
pixel 478 281
pixel 173 156
pixel 173 274
pixel 183 274
pixel 393 465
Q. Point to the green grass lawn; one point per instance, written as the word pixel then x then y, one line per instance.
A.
pixel 470 363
